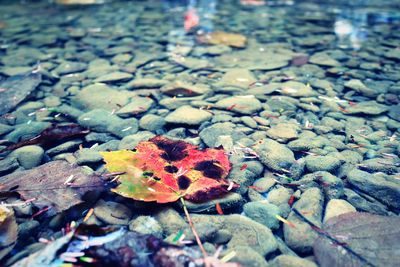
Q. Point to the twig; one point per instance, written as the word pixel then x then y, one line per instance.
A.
pixel 331 238
pixel 193 229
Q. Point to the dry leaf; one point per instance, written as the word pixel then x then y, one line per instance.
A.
pixel 374 240
pixel 164 170
pixel 47 185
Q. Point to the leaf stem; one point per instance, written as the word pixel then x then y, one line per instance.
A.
pixel 193 228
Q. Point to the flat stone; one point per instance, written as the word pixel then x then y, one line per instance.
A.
pixel 137 105
pixel 245 232
pixel 274 155
pixel 101 96
pixel 151 122
pixel 70 67
pixel 394 112
pixel 103 121
pixel 263 212
pixel 323 59
pixel 240 104
pixel 181 88
pixel 290 261
pixel 188 115
pixel 117 76
pixel 385 188
pixel 29 156
pixel 112 212
pixel 240 78
pixel 301 237
pixel 283 132
pixel 336 207
pixel 322 163
pixel 143 83
pixel 360 87
pixel 146 225
pixel 367 108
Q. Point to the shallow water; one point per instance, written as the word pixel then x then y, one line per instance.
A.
pixel 304 97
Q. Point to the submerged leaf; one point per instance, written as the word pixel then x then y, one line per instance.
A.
pixel 366 240
pixel 164 170
pixel 57 185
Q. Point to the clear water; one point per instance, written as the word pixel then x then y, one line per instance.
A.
pixel 319 79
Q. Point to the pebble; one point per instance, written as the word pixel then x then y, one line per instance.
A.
pixel 237 78
pixel 141 83
pixel 100 96
pixel 114 77
pixel 146 225
pixel 383 187
pixel 87 156
pixel 283 132
pixel 246 256
pixel 112 212
pixel 101 120
pixel 240 104
pixel 131 141
pixel 264 213
pixel 29 156
pixel 245 232
pixel 188 115
pixel 136 106
pixel 290 261
pixel 322 163
pixel 274 155
pixel 323 59
pixel 8 164
pixel 336 207
pixel 181 88
pixel 152 123
pixel 301 237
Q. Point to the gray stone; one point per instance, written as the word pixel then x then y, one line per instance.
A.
pixel 8 164
pixel 4 128
pixel 151 122
pixel 239 78
pixel 290 261
pixel 323 59
pixel 146 225
pixel 116 76
pixel 381 186
pixel 367 108
pixel 245 232
pixel 336 207
pixel 301 237
pixel 87 156
pixel 64 147
pixel 322 163
pixel 112 212
pixel 29 156
pixel 26 131
pixel 170 221
pixel 283 132
pixel 181 88
pixel 246 256
pixel 228 202
pixel 142 83
pixel 70 67
pixel 240 104
pixel 361 88
pixel 101 120
pixel 137 105
pixel 101 96
pixel 131 141
pixel 331 185
pixel 188 115
pixel 394 112
pixel 274 155
pixel 263 212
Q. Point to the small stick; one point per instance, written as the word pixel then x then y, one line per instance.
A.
pixel 193 229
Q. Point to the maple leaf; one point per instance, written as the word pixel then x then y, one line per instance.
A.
pixel 165 170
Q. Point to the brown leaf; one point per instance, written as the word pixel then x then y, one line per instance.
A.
pixel 365 240
pixel 46 184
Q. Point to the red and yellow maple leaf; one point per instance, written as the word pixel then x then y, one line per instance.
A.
pixel 165 170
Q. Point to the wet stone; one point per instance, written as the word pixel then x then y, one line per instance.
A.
pixel 112 212
pixel 188 115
